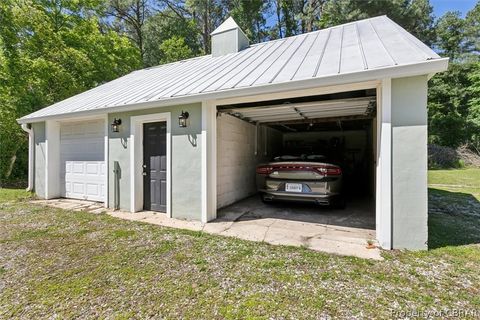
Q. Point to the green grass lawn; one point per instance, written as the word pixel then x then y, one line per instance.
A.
pixel 64 264
pixel 460 180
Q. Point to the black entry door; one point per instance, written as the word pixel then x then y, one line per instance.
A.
pixel 155 166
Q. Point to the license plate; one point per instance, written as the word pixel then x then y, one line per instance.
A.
pixel 293 187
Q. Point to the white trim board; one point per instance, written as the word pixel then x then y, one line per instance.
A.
pixel 383 195
pixel 136 159
pixel 52 159
pixel 105 158
pixel 209 161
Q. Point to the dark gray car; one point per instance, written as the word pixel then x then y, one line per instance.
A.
pixel 301 178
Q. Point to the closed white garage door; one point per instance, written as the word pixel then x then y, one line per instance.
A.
pixel 82 160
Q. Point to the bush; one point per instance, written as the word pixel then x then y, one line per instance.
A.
pixel 469 156
pixel 440 157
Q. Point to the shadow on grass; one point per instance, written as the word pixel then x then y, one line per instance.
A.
pixel 453 219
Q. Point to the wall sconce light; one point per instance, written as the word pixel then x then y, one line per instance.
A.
pixel 116 124
pixel 182 119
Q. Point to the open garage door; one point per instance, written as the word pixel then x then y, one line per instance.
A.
pixel 299 168
pixel 82 160
pixel 262 145
pixel 310 112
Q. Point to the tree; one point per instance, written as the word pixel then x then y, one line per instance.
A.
pixel 130 17
pixel 473 117
pixel 249 15
pixel 288 17
pixel 311 14
pixel 453 104
pixel 9 133
pixel 416 16
pixel 207 14
pixel 51 50
pixel 298 16
pixel 278 12
pixel 175 49
pixel 166 25
pixel 450 30
pixel 472 33
pixel 448 100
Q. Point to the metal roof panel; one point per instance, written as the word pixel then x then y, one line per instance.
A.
pixel 330 62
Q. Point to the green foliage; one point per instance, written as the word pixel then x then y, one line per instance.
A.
pixel 295 16
pixel 472 31
pixel 128 17
pixel 166 26
pixel 289 10
pixel 454 106
pixel 207 15
pixel 51 50
pixel 249 14
pixel 450 30
pixel 448 101
pixel 473 117
pixel 175 49
pixel 416 16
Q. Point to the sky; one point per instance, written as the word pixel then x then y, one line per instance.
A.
pixel 442 6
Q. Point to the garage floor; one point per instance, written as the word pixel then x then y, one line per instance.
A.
pixel 342 232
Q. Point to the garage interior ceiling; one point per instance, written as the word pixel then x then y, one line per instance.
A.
pixel 306 111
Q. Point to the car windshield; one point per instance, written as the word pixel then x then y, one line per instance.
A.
pixel 302 157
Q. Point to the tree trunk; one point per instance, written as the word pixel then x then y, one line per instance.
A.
pixel 279 19
pixel 10 166
pixel 206 33
pixel 310 15
pixel 139 13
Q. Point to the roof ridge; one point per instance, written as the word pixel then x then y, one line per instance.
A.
pixel 324 29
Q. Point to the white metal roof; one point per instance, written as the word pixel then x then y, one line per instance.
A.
pixel 368 48
pixel 306 110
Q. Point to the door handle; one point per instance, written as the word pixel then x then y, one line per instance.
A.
pixel 144 166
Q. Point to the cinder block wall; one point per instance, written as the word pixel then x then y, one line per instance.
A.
pixel 236 158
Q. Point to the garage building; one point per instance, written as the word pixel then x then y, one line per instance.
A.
pixel 184 139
